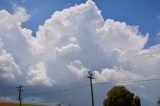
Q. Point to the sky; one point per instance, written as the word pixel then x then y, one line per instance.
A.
pixel 50 45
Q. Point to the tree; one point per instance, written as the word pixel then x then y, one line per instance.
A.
pixel 137 101
pixel 158 102
pixel 120 96
pixel 59 104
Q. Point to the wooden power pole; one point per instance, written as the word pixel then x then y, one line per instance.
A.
pixel 91 76
pixel 19 88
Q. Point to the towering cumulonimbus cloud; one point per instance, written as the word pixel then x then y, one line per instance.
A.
pixel 70 43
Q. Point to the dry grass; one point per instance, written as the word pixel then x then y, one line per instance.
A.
pixel 15 104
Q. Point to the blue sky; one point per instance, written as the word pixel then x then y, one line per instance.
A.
pixel 142 13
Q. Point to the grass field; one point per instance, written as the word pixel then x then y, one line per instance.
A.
pixel 15 104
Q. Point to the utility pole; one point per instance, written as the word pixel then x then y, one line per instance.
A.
pixel 19 88
pixel 69 104
pixel 91 76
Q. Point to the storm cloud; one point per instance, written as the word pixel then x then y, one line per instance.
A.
pixel 69 44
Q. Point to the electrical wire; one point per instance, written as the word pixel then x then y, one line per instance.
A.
pixel 68 89
pixel 129 81
pixel 58 91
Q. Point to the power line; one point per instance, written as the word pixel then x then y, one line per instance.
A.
pixel 129 81
pixel 77 87
pixel 58 91
pixel 7 88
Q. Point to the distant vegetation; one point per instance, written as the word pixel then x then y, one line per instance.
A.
pixel 158 102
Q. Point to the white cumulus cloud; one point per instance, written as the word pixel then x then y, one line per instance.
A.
pixel 37 75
